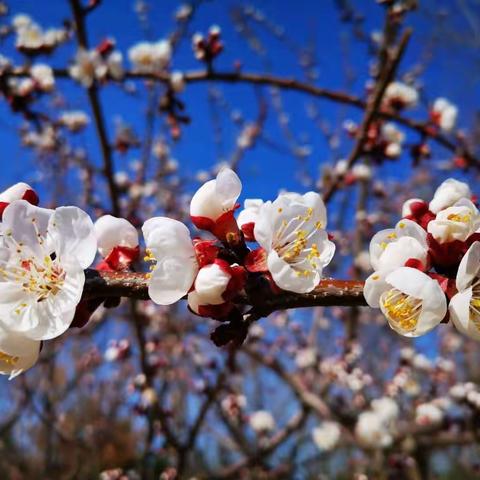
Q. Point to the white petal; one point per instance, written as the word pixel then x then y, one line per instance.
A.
pixel 194 301
pixel 228 188
pixel 418 285
pixel 167 237
pixel 407 228
pixel 314 201
pixel 459 309
pixel 205 203
pixel 263 230
pixel 374 287
pixel 55 314
pixel 449 192
pixel 114 232
pixel 378 244
pixel 285 276
pixel 172 279
pixel 24 359
pixel 397 253
pixel 210 284
pixel 14 344
pixel 74 235
pixel 250 213
pixel 15 307
pixel 469 267
pixel 25 221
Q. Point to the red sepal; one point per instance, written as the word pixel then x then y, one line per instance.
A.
pixel 446 284
pixel 105 46
pixel 435 117
pixel 120 258
pixel 247 229
pixel 3 206
pixel 225 227
pixel 206 251
pixel 31 197
pixel 238 278
pixel 420 214
pixel 415 263
pixel 215 311
pixel 448 254
pixel 256 260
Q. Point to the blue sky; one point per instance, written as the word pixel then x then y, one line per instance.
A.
pixel 264 170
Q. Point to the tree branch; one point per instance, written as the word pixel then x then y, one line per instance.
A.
pixel 92 92
pixel 330 292
pixel 285 83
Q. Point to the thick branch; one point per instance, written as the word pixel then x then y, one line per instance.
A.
pixel 329 292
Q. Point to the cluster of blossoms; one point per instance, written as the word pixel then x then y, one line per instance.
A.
pixel 150 57
pixel 375 428
pixel 385 140
pixel 443 113
pixel 429 264
pixel 293 247
pixel 97 64
pixel 21 92
pixel 44 254
pixel 31 39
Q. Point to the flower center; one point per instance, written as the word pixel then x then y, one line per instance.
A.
pixel 8 359
pixel 42 278
pixel 38 276
pixel 457 217
pixel 401 309
pixel 291 239
pixel 475 304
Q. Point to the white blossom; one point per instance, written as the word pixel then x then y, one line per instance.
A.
pixel 177 81
pixel 262 421
pixel 393 139
pixel 74 120
pixel 464 307
pixel 306 357
pixel 401 94
pixel 43 254
pixel 327 435
pixel 444 113
pixel 42 74
pixel 17 353
pixel 412 302
pixel 372 432
pixel 386 408
pixel 148 57
pixel 216 197
pixel 292 232
pixel 428 414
